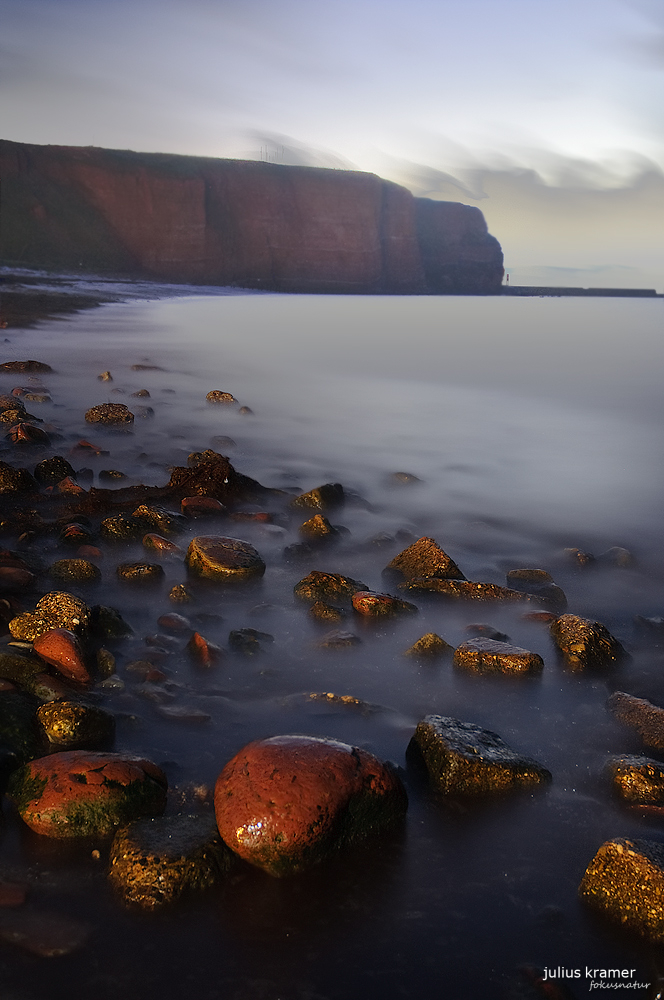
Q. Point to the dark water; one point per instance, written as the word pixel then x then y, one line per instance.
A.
pixel 533 425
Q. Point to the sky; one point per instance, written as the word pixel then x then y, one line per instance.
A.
pixel 547 114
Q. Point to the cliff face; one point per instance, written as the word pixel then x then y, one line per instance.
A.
pixel 235 222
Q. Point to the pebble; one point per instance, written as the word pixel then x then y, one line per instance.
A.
pixel 373 605
pixel 216 557
pixel 218 396
pixel 61 649
pixel 110 413
pixel 430 645
pixel 74 570
pixel 491 656
pixel 424 558
pixel 74 726
pixel 200 506
pixel 140 573
pixel 204 652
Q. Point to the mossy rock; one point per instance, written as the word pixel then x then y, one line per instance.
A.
pixel 74 726
pixel 57 609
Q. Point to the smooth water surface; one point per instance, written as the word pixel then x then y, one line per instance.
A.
pixel 533 425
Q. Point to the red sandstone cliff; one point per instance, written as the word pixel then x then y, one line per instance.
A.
pixel 235 222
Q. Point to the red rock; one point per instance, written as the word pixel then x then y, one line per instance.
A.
pixel 62 650
pixel 69 485
pixel 287 802
pixel 89 552
pixel 7 685
pixel 15 578
pixel 157 543
pixel 25 433
pixel 201 506
pixel 204 652
pixel 86 446
pixel 175 623
pixel 262 516
pixel 78 794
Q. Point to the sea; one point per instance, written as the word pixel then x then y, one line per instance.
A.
pixel 513 431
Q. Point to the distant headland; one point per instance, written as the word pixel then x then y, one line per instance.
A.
pixel 243 223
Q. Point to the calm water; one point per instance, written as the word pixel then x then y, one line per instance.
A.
pixel 533 425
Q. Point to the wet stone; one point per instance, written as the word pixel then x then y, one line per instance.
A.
pixel 74 571
pixel 625 882
pixel 286 803
pixel 201 506
pixel 111 475
pixel 71 725
pixel 105 377
pixel 155 861
pixel 216 557
pixel 107 623
pixel 404 478
pixel 520 579
pixel 14 415
pixel 491 656
pixel 140 573
pixel 325 497
pixel 617 556
pixel 585 644
pixel 157 543
pixel 430 646
pixel 77 793
pixel 480 631
pixel 61 649
pixel 318 530
pixel 27 434
pixel 75 534
pixel 465 760
pixel 319 586
pixel 114 414
pixel 578 558
pixel 180 594
pixel 423 558
pixel 53 470
pixel 373 605
pixel 204 652
pixel 25 366
pixel 142 393
pixel 326 612
pixel 642 715
pixel 637 780
pixel 68 485
pixel 159 519
pixel 122 528
pixel 219 396
pixel 177 624
pixel 248 640
pixel 105 663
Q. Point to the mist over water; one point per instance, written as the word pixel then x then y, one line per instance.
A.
pixel 532 425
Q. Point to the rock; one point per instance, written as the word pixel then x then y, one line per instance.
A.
pixel 285 803
pixel 77 793
pixel 56 609
pixel 157 543
pixel 617 556
pixel 372 605
pixel 146 368
pixel 53 470
pixel 48 935
pixel 25 433
pixel 14 578
pixel 159 519
pixel 61 649
pixel 19 666
pixel 122 528
pixel 319 586
pixel 75 534
pixel 140 572
pixel 74 726
pixel 200 506
pixel 68 485
pixel 491 656
pixel 480 631
pixel 338 640
pixel 105 377
pixel 430 646
pixel 248 640
pixel 642 715
pixel 218 396
pixel 298 552
pixel 246 411
pixel 25 366
pixel 105 662
pixel 111 475
pixel 177 624
pixel 318 530
pixel 155 861
pixel 326 612
pixel 204 652
pixel 637 780
pixel 585 644
pixel 422 559
pixel 625 882
pixel 221 441
pixel 15 415
pixel 216 557
pixel 256 517
pixel 582 560
pixel 47 688
pixel 74 571
pixel 325 497
pixel 107 623
pixel 538 583
pixel 15 480
pixel 180 594
pixel 404 478
pixel 465 590
pixel 38 397
pixel 19 732
pixel 465 760
pixel 114 414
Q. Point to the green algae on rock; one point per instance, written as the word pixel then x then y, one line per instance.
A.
pixel 319 586
pixel 585 644
pixel 492 656
pixel 216 557
pixel 625 882
pixel 76 726
pixel 77 793
pixel 155 861
pixel 465 760
pixel 286 803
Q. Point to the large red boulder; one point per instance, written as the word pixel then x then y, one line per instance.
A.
pixel 81 794
pixel 285 803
